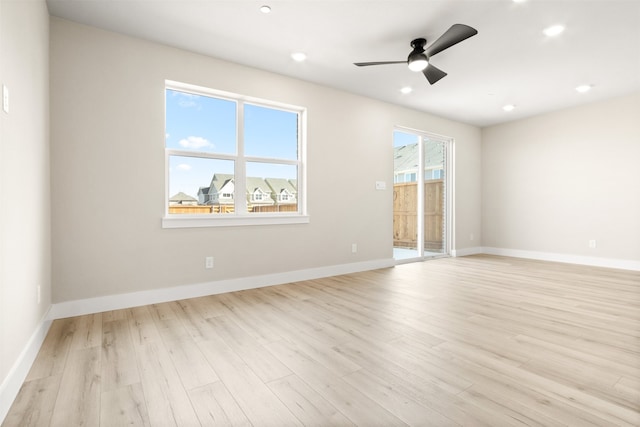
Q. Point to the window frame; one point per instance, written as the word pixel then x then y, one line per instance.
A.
pixel 240 217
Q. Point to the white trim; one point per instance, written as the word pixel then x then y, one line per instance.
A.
pixel 193 221
pixel 466 251
pixel 449 186
pixel 449 195
pixel 18 373
pixel 241 160
pixel 623 264
pixel 135 299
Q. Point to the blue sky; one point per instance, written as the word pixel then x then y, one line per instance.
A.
pixel 403 138
pixel 204 124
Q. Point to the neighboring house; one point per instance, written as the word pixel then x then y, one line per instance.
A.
pixel 203 196
pixel 405 162
pixel 284 191
pixel 258 192
pixel 183 199
pixel 221 189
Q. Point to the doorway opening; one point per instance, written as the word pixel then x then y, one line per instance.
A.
pixel 421 195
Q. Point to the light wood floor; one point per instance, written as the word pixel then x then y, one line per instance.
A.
pixel 474 341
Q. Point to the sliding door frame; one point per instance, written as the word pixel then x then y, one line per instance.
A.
pixel 449 192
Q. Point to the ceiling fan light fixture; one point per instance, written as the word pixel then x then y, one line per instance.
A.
pixel 418 62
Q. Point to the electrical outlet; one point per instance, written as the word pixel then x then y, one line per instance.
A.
pixel 354 248
pixel 593 244
pixel 208 262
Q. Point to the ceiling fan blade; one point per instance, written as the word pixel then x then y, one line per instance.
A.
pixel 366 64
pixel 433 74
pixel 454 35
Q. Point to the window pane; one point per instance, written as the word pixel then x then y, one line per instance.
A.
pixel 405 193
pixel 270 133
pixel 200 123
pixel 272 187
pixel 200 186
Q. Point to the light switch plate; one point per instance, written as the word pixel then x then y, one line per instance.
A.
pixel 381 185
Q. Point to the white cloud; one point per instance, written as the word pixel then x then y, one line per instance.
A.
pixel 184 167
pixel 195 142
pixel 188 100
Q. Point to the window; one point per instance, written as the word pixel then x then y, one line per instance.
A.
pixel 226 151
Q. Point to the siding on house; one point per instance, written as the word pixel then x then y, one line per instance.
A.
pixel 259 191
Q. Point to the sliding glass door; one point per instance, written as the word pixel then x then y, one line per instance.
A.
pixel 420 188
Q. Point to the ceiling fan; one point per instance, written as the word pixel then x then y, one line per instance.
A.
pixel 418 59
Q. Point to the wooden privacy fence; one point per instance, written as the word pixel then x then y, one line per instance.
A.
pixel 405 214
pixel 206 209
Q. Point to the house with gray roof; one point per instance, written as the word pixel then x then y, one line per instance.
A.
pixel 203 196
pixel 284 191
pixel 183 199
pixel 405 162
pixel 221 190
pixel 258 191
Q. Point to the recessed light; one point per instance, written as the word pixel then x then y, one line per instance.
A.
pixel 406 90
pixel 298 56
pixel 584 88
pixel 519 1
pixel 265 9
pixel 509 107
pixel 553 30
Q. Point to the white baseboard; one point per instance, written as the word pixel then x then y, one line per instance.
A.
pixel 135 299
pixel 622 264
pixel 466 251
pixel 18 373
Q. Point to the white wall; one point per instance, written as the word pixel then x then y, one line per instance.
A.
pixel 25 249
pixel 553 182
pixel 107 132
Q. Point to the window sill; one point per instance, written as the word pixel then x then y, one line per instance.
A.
pixel 194 221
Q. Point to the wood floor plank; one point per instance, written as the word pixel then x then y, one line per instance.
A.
pixel 119 365
pixel 425 393
pixel 307 405
pixel 266 366
pixel 124 406
pixel 166 399
pixel 258 402
pixel 602 411
pixel 471 341
pixel 356 406
pixel 88 332
pixel 490 383
pixel 143 328
pixel 216 407
pixel 193 368
pixel 34 404
pixel 52 357
pixel 396 402
pixel 78 399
